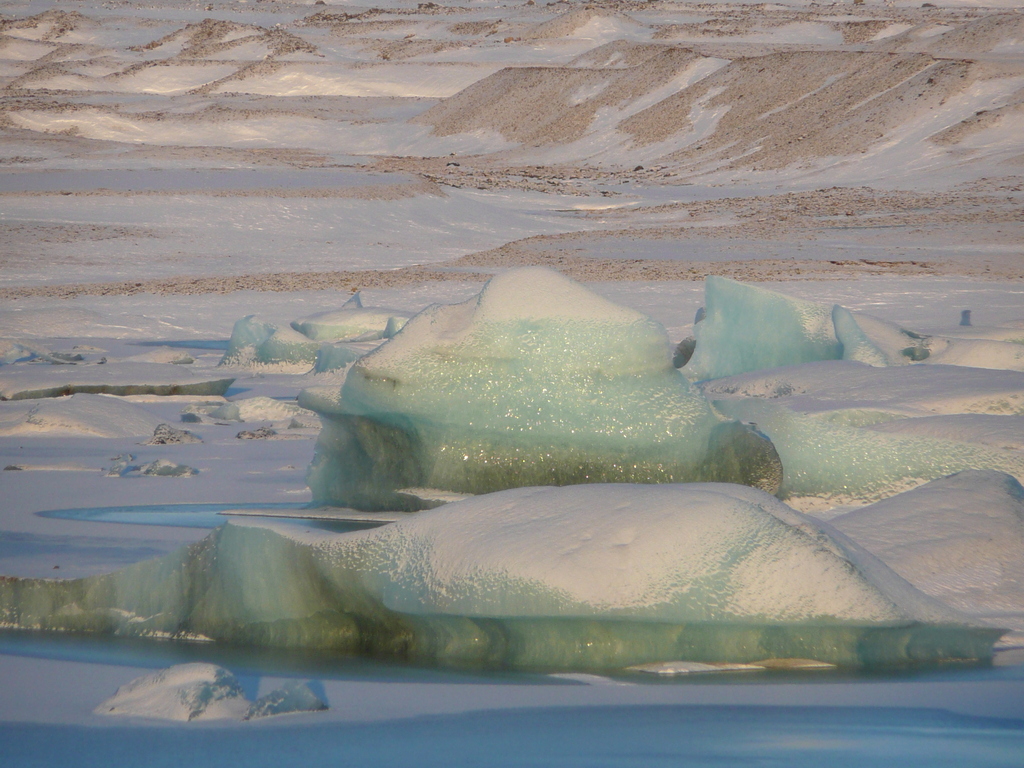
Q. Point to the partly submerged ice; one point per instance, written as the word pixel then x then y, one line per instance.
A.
pixel 584 577
pixel 200 691
pixel 535 381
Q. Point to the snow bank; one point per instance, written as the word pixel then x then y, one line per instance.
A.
pixel 77 415
pixel 585 577
pixel 535 381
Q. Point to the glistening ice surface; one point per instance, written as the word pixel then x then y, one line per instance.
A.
pixel 535 381
pixel 586 577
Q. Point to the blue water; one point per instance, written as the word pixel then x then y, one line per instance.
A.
pixel 642 736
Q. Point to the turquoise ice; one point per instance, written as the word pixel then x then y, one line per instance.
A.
pixel 583 577
pixel 535 381
pixel 256 343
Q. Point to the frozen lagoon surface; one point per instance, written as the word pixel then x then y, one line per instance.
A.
pixel 390 715
pixel 190 160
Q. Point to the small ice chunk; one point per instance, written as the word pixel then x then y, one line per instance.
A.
pixel 165 434
pixel 184 692
pixel 352 324
pixel 165 468
pixel 262 345
pixel 162 355
pixel 291 698
pixel 261 433
pixel 259 409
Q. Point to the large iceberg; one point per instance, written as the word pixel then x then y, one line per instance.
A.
pixel 535 381
pixel 584 577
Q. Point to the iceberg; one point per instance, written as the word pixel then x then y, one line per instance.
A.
pixel 959 539
pixel 746 328
pixel 338 356
pixel 585 577
pixel 199 691
pixel 184 692
pixel 535 381
pixel 352 322
pixel 258 344
pixel 847 464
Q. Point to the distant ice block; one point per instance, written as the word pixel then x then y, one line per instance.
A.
pixel 747 328
pixel 352 322
pixel 258 344
pixel 585 577
pixel 37 381
pixel 259 409
pixel 79 415
pixel 850 464
pixel 959 539
pixel 535 381
pixel 183 692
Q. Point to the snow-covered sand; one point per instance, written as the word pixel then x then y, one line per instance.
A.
pixel 167 169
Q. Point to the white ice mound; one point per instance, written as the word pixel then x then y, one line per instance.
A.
pixel 535 381
pixel 352 322
pixel 959 539
pixel 701 552
pixel 183 692
pixel 77 415
pixel 37 381
pixel 582 577
pixel 259 408
pixel 261 345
